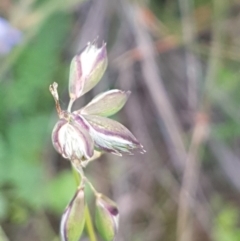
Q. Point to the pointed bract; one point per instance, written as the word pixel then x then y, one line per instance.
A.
pixel 55 135
pixel 87 69
pixel 72 141
pixel 98 66
pixel 111 136
pixel 106 104
pixel 76 80
pixel 106 217
pixel 73 219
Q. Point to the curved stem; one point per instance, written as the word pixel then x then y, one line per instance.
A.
pixel 77 176
pixel 70 105
pixel 91 186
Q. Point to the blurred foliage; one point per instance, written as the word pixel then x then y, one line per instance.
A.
pixel 25 131
pixel 227 224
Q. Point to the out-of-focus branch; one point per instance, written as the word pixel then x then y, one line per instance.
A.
pixel 228 161
pixel 163 45
pixel 93 25
pixel 188 40
pixel 160 173
pixel 154 84
pixel 190 180
pixel 190 177
pixel 173 135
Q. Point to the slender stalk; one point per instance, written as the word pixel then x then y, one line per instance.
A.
pixel 76 175
pixel 54 92
pixel 89 225
pixel 71 101
pixel 91 186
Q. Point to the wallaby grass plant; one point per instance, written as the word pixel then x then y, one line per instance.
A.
pixel 82 135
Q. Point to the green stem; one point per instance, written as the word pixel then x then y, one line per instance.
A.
pixel 89 225
pixel 77 176
pixel 70 105
pixel 88 222
pixel 91 186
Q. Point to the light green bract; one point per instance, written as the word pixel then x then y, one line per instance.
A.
pixel 73 219
pixel 106 104
pixel 106 217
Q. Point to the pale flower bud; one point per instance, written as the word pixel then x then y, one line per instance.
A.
pixel 106 217
pixel 86 69
pixel 111 136
pixel 72 140
pixel 73 219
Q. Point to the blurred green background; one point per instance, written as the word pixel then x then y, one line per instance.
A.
pixel 180 59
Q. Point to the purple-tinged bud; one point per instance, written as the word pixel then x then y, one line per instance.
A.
pixel 87 69
pixel 73 218
pixel 111 136
pixel 106 217
pixel 106 104
pixel 72 140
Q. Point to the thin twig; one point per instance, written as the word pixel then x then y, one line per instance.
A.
pixel 154 83
pixel 190 180
pixel 155 86
pixel 89 225
pixel 191 172
pixel 188 40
